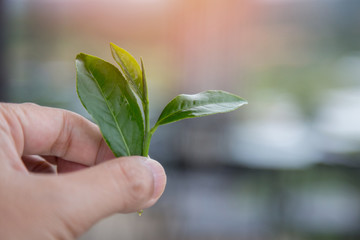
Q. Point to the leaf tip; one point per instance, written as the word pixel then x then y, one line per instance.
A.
pixel 80 59
pixel 141 64
pixel 80 56
pixel 112 45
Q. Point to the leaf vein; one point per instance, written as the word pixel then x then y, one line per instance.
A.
pixel 112 114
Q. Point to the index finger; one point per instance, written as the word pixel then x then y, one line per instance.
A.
pixel 50 131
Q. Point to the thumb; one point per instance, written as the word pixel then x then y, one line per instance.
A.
pixel 122 185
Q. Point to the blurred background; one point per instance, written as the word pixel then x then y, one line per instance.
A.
pixel 285 166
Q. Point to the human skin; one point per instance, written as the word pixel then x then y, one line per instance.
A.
pixel 37 203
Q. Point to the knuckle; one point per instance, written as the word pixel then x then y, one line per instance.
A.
pixel 29 104
pixel 62 143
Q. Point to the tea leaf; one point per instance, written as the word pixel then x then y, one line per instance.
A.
pixel 106 95
pixel 130 69
pixel 198 105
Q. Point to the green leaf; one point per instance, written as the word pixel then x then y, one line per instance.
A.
pixel 198 105
pixel 130 68
pixel 108 98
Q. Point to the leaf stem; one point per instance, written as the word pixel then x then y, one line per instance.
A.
pixel 153 129
pixel 147 135
pixel 147 140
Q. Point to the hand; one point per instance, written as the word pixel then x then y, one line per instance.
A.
pixel 48 206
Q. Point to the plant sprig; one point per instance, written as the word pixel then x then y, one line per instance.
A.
pixel 111 97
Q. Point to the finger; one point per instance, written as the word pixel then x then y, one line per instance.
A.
pixel 64 166
pixel 49 131
pixel 37 164
pixel 51 159
pixel 122 185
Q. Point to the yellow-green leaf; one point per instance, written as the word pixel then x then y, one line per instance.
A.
pixel 130 68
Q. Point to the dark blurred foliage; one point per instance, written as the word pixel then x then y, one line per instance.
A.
pixel 3 77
